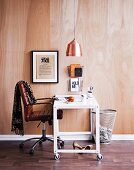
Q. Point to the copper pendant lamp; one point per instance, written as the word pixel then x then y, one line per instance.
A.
pixel 74 48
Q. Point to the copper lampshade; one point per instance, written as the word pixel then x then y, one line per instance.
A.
pixel 74 49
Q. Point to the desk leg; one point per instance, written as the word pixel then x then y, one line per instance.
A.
pixel 55 125
pixel 55 129
pixel 97 129
pixel 91 122
pixel 99 156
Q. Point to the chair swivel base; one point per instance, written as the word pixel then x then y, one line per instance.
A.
pixel 39 140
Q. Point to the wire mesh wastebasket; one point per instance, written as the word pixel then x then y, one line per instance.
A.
pixel 107 120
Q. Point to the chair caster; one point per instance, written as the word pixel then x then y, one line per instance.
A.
pixel 56 156
pixel 21 145
pixel 31 152
pixel 99 157
pixel 60 144
pixel 40 143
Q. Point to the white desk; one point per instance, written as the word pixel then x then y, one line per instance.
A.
pixel 90 103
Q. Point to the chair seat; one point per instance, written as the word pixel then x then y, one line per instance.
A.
pixel 38 116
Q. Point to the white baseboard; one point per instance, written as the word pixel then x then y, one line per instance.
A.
pixel 63 137
pixel 16 137
pixel 123 137
pixel 71 137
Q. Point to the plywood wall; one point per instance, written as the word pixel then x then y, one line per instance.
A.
pixel 105 30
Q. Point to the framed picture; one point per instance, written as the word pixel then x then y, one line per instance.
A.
pixel 74 84
pixel 45 66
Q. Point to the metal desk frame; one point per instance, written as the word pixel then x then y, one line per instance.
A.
pixel 90 103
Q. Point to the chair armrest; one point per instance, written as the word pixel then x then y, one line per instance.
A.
pixel 43 98
pixel 43 103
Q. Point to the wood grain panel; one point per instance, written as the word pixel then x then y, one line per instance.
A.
pixel 24 27
pixel 105 30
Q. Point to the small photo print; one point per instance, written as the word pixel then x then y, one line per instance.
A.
pixel 74 84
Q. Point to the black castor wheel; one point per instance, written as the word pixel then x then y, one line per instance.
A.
pixel 56 156
pixel 21 145
pixel 31 152
pixel 99 157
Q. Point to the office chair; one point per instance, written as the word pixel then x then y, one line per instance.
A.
pixel 42 116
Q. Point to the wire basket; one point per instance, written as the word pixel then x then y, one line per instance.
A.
pixel 107 120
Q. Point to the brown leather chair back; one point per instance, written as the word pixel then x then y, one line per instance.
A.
pixel 30 114
pixel 28 108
